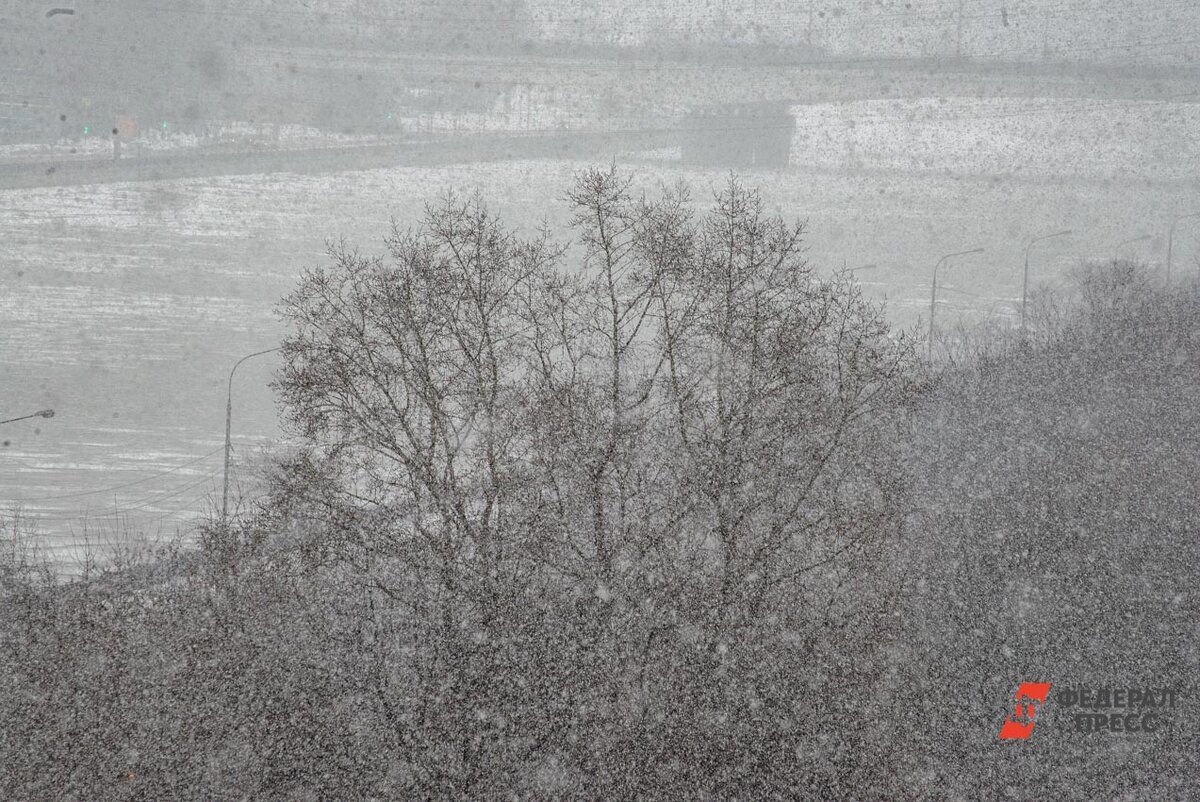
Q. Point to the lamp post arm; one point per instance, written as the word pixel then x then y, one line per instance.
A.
pixel 45 413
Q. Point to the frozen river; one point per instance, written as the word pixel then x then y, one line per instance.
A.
pixel 125 305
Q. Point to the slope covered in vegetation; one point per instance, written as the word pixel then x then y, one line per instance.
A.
pixel 658 513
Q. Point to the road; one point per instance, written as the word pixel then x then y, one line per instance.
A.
pixel 425 152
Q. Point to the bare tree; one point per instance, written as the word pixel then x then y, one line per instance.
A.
pixel 626 497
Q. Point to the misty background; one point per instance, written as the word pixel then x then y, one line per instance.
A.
pixel 138 266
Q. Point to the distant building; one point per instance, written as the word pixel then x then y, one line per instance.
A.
pixel 742 136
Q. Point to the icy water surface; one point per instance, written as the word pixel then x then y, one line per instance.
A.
pixel 125 305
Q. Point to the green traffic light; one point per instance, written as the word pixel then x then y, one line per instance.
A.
pixel 85 130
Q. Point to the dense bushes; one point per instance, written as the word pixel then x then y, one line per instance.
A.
pixel 1059 543
pixel 660 514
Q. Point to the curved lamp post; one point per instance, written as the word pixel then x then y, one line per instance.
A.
pixel 1171 237
pixel 45 413
pixel 228 429
pixel 852 270
pixel 1025 282
pixel 1124 242
pixel 933 293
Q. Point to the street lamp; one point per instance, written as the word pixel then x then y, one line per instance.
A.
pixel 1025 282
pixel 1171 237
pixel 852 270
pixel 933 293
pixel 45 413
pixel 228 428
pixel 1124 242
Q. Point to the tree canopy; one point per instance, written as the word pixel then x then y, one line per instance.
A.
pixel 654 468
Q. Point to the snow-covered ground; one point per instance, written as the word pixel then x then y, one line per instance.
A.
pixel 1020 137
